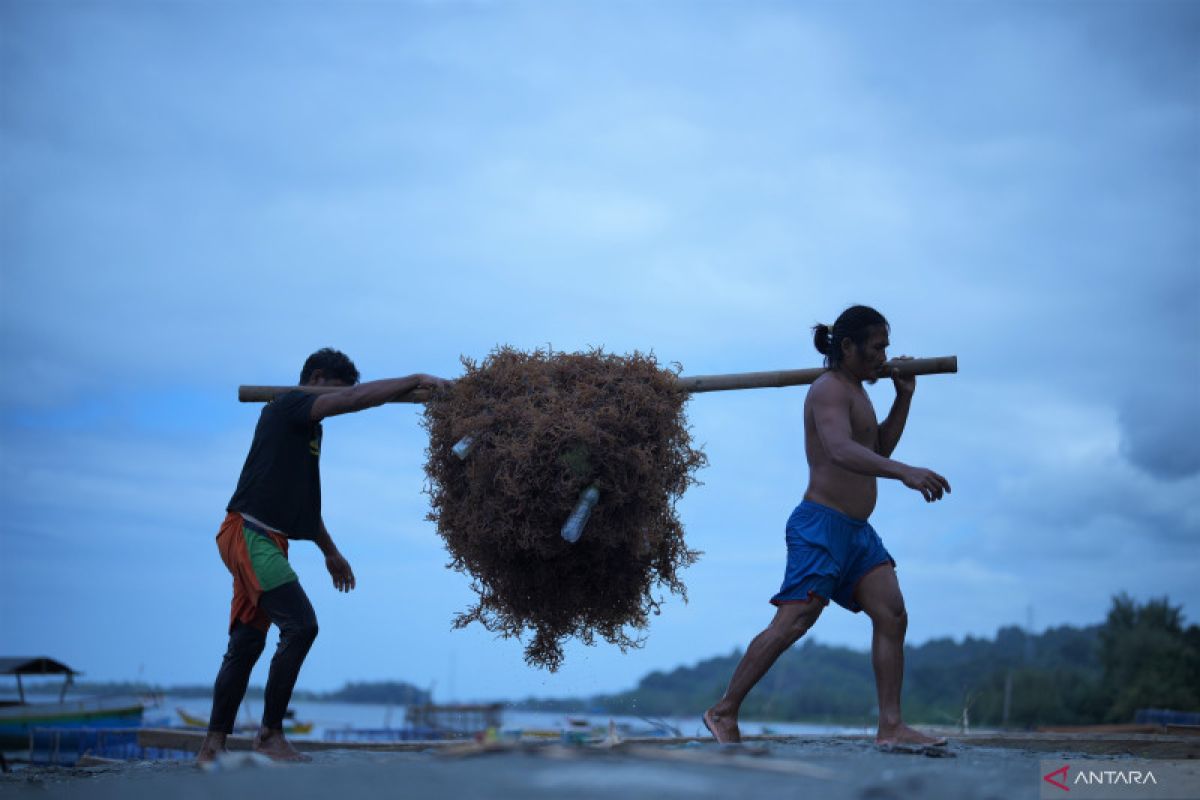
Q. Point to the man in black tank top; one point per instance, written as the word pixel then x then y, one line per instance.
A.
pixel 278 499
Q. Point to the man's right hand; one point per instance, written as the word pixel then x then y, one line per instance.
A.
pixel 927 482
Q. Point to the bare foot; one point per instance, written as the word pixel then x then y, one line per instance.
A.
pixel 275 746
pixel 212 747
pixel 902 734
pixel 723 728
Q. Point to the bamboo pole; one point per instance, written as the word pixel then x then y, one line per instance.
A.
pixel 797 377
pixel 694 383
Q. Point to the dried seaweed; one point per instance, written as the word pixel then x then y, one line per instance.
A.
pixel 545 426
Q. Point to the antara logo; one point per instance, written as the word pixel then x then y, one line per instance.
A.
pixel 1099 777
pixel 1060 771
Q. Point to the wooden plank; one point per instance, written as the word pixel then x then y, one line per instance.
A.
pixel 1123 728
pixel 89 760
pixel 1137 744
pixel 1183 730
pixel 694 384
pixel 182 739
pixel 176 739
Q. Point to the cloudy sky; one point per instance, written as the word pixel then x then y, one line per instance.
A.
pixel 197 195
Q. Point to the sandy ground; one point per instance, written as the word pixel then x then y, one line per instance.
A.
pixel 830 768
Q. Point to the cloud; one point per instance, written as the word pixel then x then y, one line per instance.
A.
pixel 1157 432
pixel 412 182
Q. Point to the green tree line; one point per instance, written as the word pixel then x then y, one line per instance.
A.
pixel 381 692
pixel 1142 656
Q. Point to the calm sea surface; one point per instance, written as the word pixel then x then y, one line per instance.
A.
pixel 327 716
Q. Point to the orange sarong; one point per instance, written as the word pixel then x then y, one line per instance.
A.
pixel 231 542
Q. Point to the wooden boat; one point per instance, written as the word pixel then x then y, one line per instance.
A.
pixel 19 718
pixel 289 726
pixel 457 719
pixel 430 722
pixel 408 733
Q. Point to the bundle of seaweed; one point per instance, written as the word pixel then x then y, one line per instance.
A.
pixel 544 427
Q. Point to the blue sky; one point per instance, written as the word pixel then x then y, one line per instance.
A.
pixel 196 196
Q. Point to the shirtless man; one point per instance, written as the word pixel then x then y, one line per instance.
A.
pixel 277 500
pixel 833 552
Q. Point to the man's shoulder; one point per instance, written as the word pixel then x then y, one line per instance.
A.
pixel 827 387
pixel 295 397
pixel 293 406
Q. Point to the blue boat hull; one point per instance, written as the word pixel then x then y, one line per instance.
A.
pixel 17 722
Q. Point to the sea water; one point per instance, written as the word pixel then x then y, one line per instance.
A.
pixel 334 716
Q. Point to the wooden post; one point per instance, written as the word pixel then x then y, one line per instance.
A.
pixel 694 383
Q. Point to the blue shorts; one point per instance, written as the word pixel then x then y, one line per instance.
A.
pixel 828 554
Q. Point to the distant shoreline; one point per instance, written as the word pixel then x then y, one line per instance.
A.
pixel 1141 657
pixel 48 692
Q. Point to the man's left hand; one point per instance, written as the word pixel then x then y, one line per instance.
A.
pixel 432 382
pixel 905 384
pixel 339 569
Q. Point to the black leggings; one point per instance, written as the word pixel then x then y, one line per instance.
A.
pixel 287 606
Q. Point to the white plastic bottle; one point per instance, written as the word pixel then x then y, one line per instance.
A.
pixel 462 448
pixel 572 529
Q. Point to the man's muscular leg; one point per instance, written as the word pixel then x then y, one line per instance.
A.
pixel 790 622
pixel 879 595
